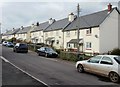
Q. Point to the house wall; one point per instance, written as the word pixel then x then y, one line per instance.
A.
pixel 86 38
pixel 68 35
pixel 39 35
pixel 109 33
pixel 93 38
pixel 22 36
pixel 58 35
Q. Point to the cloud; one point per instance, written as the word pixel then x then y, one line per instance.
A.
pixel 16 14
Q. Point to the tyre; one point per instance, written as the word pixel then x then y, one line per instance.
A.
pixel 13 50
pixel 80 68
pixel 114 77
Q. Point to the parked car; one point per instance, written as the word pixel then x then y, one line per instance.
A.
pixel 4 43
pixel 104 65
pixel 10 44
pixel 20 47
pixel 47 52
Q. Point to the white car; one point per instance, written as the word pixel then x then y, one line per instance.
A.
pixel 4 43
pixel 104 65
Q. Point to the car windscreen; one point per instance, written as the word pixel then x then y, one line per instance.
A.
pixel 23 45
pixel 49 49
pixel 117 59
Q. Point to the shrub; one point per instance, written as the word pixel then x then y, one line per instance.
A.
pixel 115 51
pixel 68 56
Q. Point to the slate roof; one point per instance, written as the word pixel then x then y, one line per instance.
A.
pixel 24 30
pixel 60 24
pixel 11 32
pixel 90 20
pixel 41 26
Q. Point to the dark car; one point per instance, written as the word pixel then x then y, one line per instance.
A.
pixel 10 44
pixel 20 47
pixel 47 52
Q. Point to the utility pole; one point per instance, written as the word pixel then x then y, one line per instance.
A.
pixel 78 33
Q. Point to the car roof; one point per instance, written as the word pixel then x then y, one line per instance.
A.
pixel 109 55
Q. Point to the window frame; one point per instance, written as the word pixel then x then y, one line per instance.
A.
pixel 88 45
pixel 106 60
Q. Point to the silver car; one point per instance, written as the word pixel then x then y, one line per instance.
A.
pixel 104 65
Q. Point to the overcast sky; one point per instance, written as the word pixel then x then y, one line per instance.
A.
pixel 24 12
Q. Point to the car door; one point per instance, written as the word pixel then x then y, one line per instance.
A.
pixel 16 46
pixel 41 51
pixel 105 66
pixel 91 64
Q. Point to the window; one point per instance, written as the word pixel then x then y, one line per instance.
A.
pixel 117 59
pixel 95 59
pixel 88 45
pixel 106 60
pixel 68 33
pixel 75 45
pixel 68 45
pixel 88 32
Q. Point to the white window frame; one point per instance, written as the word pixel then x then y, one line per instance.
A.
pixel 88 45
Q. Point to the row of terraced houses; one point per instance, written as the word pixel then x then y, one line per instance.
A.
pixel 99 32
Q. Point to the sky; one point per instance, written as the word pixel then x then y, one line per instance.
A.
pixel 14 13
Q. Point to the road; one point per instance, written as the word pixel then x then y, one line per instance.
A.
pixel 52 71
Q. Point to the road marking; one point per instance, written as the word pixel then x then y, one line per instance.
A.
pixel 4 59
pixel 24 71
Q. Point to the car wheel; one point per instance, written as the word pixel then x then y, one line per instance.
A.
pixel 114 77
pixel 80 68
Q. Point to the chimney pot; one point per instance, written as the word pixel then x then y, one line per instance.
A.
pixel 109 7
pixel 37 24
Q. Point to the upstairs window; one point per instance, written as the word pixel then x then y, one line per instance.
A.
pixel 88 32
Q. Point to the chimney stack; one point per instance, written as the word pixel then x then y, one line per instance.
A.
pixel 51 21
pixel 22 27
pixel 37 24
pixel 109 7
pixel 13 29
pixel 71 17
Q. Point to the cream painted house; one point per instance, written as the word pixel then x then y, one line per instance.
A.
pixel 9 34
pixel 37 35
pixel 99 32
pixel 53 34
pixel 23 34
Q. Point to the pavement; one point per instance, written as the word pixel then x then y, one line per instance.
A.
pixel 13 76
